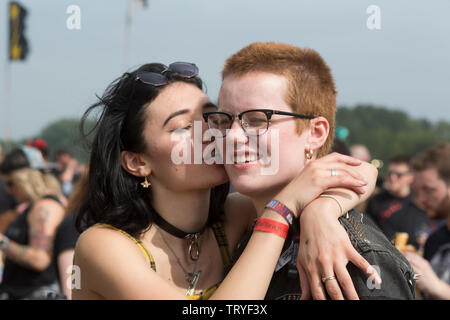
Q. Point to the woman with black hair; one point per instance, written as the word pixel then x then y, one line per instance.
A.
pixel 158 229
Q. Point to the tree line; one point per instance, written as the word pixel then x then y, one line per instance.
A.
pixel 387 133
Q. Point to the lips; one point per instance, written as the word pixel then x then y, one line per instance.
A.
pixel 245 158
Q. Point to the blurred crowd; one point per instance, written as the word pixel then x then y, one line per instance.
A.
pixel 411 206
pixel 38 201
pixel 37 230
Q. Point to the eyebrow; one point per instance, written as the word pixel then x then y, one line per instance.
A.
pixel 183 111
pixel 177 113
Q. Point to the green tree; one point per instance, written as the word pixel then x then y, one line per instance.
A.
pixel 64 134
pixel 387 133
pixel 60 134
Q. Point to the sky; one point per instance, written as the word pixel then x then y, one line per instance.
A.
pixel 402 65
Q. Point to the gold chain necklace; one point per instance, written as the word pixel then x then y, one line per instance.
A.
pixel 191 277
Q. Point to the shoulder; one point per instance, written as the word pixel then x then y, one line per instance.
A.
pixel 46 208
pixel 239 215
pixel 112 266
pixel 100 245
pixel 48 202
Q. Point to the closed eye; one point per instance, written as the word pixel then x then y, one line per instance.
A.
pixel 180 130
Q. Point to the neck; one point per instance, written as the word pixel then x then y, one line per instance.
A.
pixel 403 193
pixel 187 211
pixel 260 201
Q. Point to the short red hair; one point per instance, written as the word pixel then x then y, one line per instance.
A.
pixel 311 89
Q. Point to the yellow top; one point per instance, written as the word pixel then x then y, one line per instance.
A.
pixel 221 241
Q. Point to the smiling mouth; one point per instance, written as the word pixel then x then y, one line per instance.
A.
pixel 240 159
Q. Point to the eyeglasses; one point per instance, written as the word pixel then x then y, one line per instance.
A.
pixel 255 122
pixel 183 69
pixel 396 173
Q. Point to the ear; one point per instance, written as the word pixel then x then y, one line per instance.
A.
pixel 317 133
pixel 135 164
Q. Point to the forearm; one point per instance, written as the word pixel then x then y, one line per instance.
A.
pixel 26 256
pixel 250 277
pixel 441 291
pixel 67 175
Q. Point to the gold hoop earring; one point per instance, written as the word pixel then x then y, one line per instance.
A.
pixel 309 154
pixel 145 184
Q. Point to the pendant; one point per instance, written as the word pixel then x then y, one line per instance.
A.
pixel 193 282
pixel 194 248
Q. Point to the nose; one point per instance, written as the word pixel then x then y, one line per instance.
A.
pixel 236 133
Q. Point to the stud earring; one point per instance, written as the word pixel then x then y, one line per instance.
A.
pixel 145 184
pixel 309 154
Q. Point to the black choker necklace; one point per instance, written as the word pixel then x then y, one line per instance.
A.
pixel 193 237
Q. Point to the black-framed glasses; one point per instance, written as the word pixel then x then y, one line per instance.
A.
pixel 396 173
pixel 254 122
pixel 185 70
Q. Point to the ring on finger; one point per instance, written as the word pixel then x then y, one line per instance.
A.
pixel 325 279
pixel 333 172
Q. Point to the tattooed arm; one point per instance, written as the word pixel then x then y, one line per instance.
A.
pixel 43 219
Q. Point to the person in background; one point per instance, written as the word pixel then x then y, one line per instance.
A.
pixel 41 145
pixel 340 146
pixel 393 208
pixel 431 189
pixel 7 202
pixel 68 170
pixel 7 212
pixel 360 151
pixel 28 240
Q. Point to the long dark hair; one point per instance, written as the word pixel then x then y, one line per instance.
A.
pixel 113 195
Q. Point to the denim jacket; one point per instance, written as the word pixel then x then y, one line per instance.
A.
pixel 395 271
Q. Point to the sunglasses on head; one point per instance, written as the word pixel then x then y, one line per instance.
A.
pixel 183 69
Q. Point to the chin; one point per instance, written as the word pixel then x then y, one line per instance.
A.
pixel 255 187
pixel 214 175
pixel 434 214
